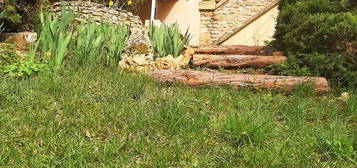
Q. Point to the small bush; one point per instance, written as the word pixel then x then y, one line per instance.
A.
pixel 22 15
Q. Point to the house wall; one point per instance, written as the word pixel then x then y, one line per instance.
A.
pixel 183 12
pixel 144 12
pixel 258 32
pixel 233 13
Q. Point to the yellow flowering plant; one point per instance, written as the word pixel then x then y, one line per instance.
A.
pixel 111 3
pixel 129 5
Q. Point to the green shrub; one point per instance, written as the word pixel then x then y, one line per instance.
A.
pixel 167 40
pixel 319 36
pixel 22 15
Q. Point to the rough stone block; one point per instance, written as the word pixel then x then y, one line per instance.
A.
pixel 22 39
pixel 207 5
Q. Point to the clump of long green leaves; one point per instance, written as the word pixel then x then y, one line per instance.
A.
pixel 116 39
pixel 99 43
pixel 1 27
pixel 89 43
pixel 86 43
pixel 167 40
pixel 2 24
pixel 54 37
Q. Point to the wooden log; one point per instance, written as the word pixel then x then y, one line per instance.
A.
pixel 236 61
pixel 231 49
pixel 197 78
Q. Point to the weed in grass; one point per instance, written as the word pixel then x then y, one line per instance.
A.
pixel 247 129
pixel 305 90
pixel 334 141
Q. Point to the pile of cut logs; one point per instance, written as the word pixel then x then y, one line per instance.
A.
pixel 236 57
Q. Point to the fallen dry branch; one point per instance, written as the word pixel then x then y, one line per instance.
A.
pixel 231 49
pixel 236 61
pixel 198 78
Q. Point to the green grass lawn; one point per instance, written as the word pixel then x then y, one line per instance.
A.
pixel 102 118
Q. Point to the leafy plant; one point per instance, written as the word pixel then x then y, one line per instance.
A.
pixel 54 37
pixel 167 40
pixel 117 37
pixel 2 24
pixel 15 65
pixel 89 43
pixel 86 43
pixel 1 27
pixel 24 68
pixel 100 43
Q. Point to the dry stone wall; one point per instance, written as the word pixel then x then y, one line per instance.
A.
pixel 233 13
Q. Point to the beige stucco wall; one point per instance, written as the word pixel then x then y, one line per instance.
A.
pixel 183 12
pixel 258 32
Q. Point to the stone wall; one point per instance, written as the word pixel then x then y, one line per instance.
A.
pixel 226 16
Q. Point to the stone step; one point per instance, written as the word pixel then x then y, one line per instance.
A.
pixel 235 61
pixel 202 78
